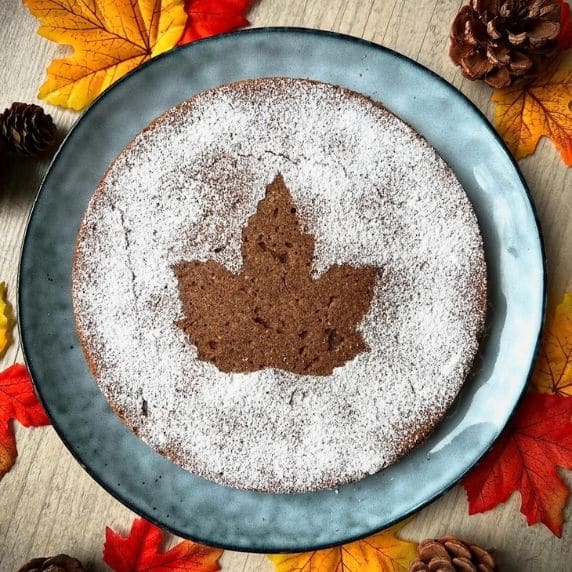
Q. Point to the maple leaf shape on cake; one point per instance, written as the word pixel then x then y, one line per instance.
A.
pixel 553 370
pixel 17 401
pixel 211 17
pixel 543 108
pixel 273 314
pixel 6 320
pixel 525 459
pixel 140 552
pixel 382 551
pixel 109 38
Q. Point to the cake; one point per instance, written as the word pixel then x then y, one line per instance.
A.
pixel 280 285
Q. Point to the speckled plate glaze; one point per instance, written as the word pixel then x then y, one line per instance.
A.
pixel 152 485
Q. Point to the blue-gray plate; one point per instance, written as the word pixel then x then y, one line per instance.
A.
pixel 152 485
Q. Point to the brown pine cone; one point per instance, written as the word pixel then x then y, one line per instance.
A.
pixel 26 129
pixel 59 563
pixel 449 554
pixel 503 41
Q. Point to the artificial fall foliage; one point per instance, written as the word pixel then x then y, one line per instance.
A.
pixel 17 401
pixel 6 320
pixel 543 108
pixel 211 17
pixel 525 458
pixel 565 39
pixel 382 551
pixel 112 37
pixel 109 38
pixel 553 371
pixel 140 551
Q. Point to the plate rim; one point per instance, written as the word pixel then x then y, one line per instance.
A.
pixel 261 31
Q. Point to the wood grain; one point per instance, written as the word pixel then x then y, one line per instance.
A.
pixel 48 504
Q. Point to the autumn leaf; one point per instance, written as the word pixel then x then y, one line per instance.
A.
pixel 565 37
pixel 109 37
pixel 298 323
pixel 543 108
pixel 140 551
pixel 382 551
pixel 17 401
pixel 8 451
pixel 6 320
pixel 553 370
pixel 524 459
pixel 212 17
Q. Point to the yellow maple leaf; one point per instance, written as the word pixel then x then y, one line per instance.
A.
pixel 6 320
pixel 381 552
pixel 553 370
pixel 109 37
pixel 543 108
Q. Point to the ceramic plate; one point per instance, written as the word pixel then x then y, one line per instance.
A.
pixel 152 485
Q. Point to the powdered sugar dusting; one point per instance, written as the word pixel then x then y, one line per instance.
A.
pixel 372 192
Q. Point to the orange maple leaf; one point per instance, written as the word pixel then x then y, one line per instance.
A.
pixel 536 441
pixel 212 17
pixel 382 551
pixel 6 320
pixel 110 38
pixel 542 108
pixel 140 551
pixel 17 401
pixel 553 370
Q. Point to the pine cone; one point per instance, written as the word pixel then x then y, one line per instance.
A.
pixel 26 129
pixel 449 554
pixel 502 41
pixel 59 563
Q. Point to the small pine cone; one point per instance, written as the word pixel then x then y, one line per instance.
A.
pixel 504 41
pixel 59 563
pixel 26 129
pixel 449 554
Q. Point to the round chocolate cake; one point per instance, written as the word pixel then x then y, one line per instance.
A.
pixel 280 285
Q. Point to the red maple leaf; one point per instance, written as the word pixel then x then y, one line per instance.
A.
pixel 17 401
pixel 212 17
pixel 536 441
pixel 140 551
pixel 565 38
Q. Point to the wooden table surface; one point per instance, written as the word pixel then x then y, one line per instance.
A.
pixel 48 503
